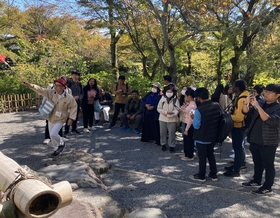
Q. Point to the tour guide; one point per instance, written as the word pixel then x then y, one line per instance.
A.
pixel 65 105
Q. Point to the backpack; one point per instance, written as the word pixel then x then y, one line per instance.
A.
pixel 225 127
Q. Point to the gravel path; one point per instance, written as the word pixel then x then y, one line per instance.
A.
pixel 142 175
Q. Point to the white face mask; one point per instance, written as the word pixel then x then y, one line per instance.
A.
pixel 169 95
pixel 154 90
pixel 183 92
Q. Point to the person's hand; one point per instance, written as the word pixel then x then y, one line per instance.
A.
pixel 248 99
pixel 128 116
pixel 186 132
pixel 253 101
pixel 151 108
pixel 27 84
pixel 119 91
pixel 147 105
pixel 76 97
pixel 132 117
pixel 192 115
pixel 69 123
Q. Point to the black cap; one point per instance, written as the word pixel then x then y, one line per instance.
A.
pixel 273 88
pixel 122 77
pixel 76 72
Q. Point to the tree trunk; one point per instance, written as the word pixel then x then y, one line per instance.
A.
pixel 189 69
pixel 220 59
pixel 235 73
pixel 114 58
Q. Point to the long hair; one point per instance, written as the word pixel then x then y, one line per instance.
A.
pixel 218 91
pixel 94 85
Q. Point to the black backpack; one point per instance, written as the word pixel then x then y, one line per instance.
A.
pixel 226 125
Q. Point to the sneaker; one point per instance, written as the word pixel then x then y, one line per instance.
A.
pixel 76 131
pixel 106 123
pixel 96 122
pixel 127 128
pixel 187 158
pixel 232 174
pixel 111 126
pixel 46 141
pixel 214 177
pixel 228 140
pixel 137 131
pixel 65 139
pixel 172 150
pixel 92 128
pixel 196 177
pixel 164 148
pixel 60 148
pixel 262 191
pixel 252 183
pixel 232 156
pixel 86 130
pixel 230 168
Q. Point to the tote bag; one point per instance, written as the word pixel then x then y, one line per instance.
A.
pixel 46 108
pixel 97 106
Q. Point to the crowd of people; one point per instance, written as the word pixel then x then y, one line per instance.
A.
pixel 255 116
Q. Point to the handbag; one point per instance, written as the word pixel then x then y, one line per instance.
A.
pixel 97 106
pixel 46 108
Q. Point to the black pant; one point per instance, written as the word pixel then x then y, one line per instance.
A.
pixel 206 151
pixel 189 143
pixel 74 124
pixel 47 133
pixel 88 113
pixel 118 107
pixel 263 157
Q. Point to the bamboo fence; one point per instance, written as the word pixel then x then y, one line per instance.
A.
pixel 19 102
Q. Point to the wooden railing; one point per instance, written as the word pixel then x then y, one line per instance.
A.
pixel 19 102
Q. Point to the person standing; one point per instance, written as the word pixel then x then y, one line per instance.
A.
pixel 77 92
pixel 121 90
pixel 64 105
pixel 238 132
pixel 263 136
pixel 189 130
pixel 150 128
pixel 206 123
pixel 168 108
pixel 183 105
pixel 91 94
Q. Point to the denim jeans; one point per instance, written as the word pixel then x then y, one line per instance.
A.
pixel 263 157
pixel 238 136
pixel 206 151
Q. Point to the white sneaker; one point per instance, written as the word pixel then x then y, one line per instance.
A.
pixel 92 128
pixel 232 156
pixel 228 139
pixel 46 141
pixel 86 130
pixel 65 139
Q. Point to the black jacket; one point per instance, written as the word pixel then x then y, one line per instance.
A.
pixel 210 122
pixel 85 96
pixel 108 98
pixel 270 127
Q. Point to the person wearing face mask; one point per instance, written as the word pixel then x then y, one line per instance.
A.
pixel 150 128
pixel 183 104
pixel 168 107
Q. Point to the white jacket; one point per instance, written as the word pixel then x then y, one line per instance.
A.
pixel 168 112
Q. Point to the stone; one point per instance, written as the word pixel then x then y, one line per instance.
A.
pixel 147 212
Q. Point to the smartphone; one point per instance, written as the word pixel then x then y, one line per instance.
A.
pixel 252 92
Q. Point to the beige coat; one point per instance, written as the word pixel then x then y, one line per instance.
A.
pixel 163 108
pixel 60 111
pixel 121 98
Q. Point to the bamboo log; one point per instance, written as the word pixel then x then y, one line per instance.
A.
pixel 31 196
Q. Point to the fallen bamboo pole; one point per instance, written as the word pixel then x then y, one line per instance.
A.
pixel 33 197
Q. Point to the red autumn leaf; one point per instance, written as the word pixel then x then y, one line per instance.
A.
pixel 2 58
